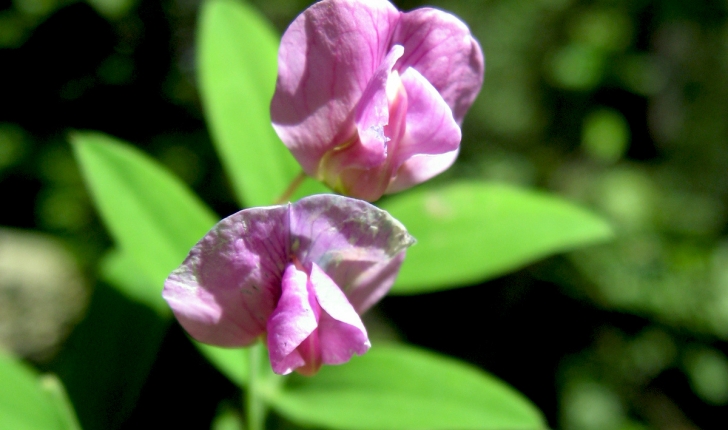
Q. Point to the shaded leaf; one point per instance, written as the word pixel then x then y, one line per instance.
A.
pixel 107 358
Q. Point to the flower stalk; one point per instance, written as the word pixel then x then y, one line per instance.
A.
pixel 254 406
pixel 288 193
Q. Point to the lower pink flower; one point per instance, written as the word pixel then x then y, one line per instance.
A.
pixel 300 273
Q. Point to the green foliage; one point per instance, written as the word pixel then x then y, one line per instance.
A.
pixel 120 270
pixel 397 387
pixel 550 65
pixel 468 232
pixel 28 402
pixel 118 176
pixel 237 63
pixel 149 213
pixel 154 220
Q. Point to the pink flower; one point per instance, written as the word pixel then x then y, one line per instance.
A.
pixel 300 273
pixel 370 99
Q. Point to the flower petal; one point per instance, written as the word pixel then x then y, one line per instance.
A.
pixel 326 58
pixel 372 115
pixel 431 128
pixel 341 332
pixel 293 320
pixel 369 286
pixel 442 49
pixel 353 241
pixel 420 168
pixel 227 287
pixel 360 167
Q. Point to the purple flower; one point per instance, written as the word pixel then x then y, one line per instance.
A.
pixel 370 99
pixel 302 273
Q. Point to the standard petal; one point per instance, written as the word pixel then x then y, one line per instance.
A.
pixel 372 114
pixel 341 332
pixel 228 286
pixel 327 56
pixel 442 49
pixel 348 238
pixel 361 168
pixel 293 320
pixel 431 128
pixel 420 168
pixel 374 283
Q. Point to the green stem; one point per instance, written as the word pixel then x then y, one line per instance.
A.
pixel 255 407
pixel 297 181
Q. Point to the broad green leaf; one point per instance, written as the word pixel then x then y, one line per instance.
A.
pixel 150 214
pixel 26 404
pixel 468 232
pixel 119 269
pixel 154 220
pixel 398 387
pixel 237 62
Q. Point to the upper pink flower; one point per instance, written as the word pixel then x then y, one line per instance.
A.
pixel 300 273
pixel 370 99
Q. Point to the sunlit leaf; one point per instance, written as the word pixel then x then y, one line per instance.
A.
pixel 150 214
pixel 398 387
pixel 57 393
pixel 468 232
pixel 237 62
pixel 26 404
pixel 154 220
pixel 119 269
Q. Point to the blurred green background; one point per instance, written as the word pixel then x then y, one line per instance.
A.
pixel 618 105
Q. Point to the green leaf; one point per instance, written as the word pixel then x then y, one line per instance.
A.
pixel 150 214
pixel 54 387
pixel 398 387
pixel 119 270
pixel 238 54
pixel 154 220
pixel 469 232
pixel 26 404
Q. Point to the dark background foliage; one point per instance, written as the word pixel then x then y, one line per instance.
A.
pixel 619 105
